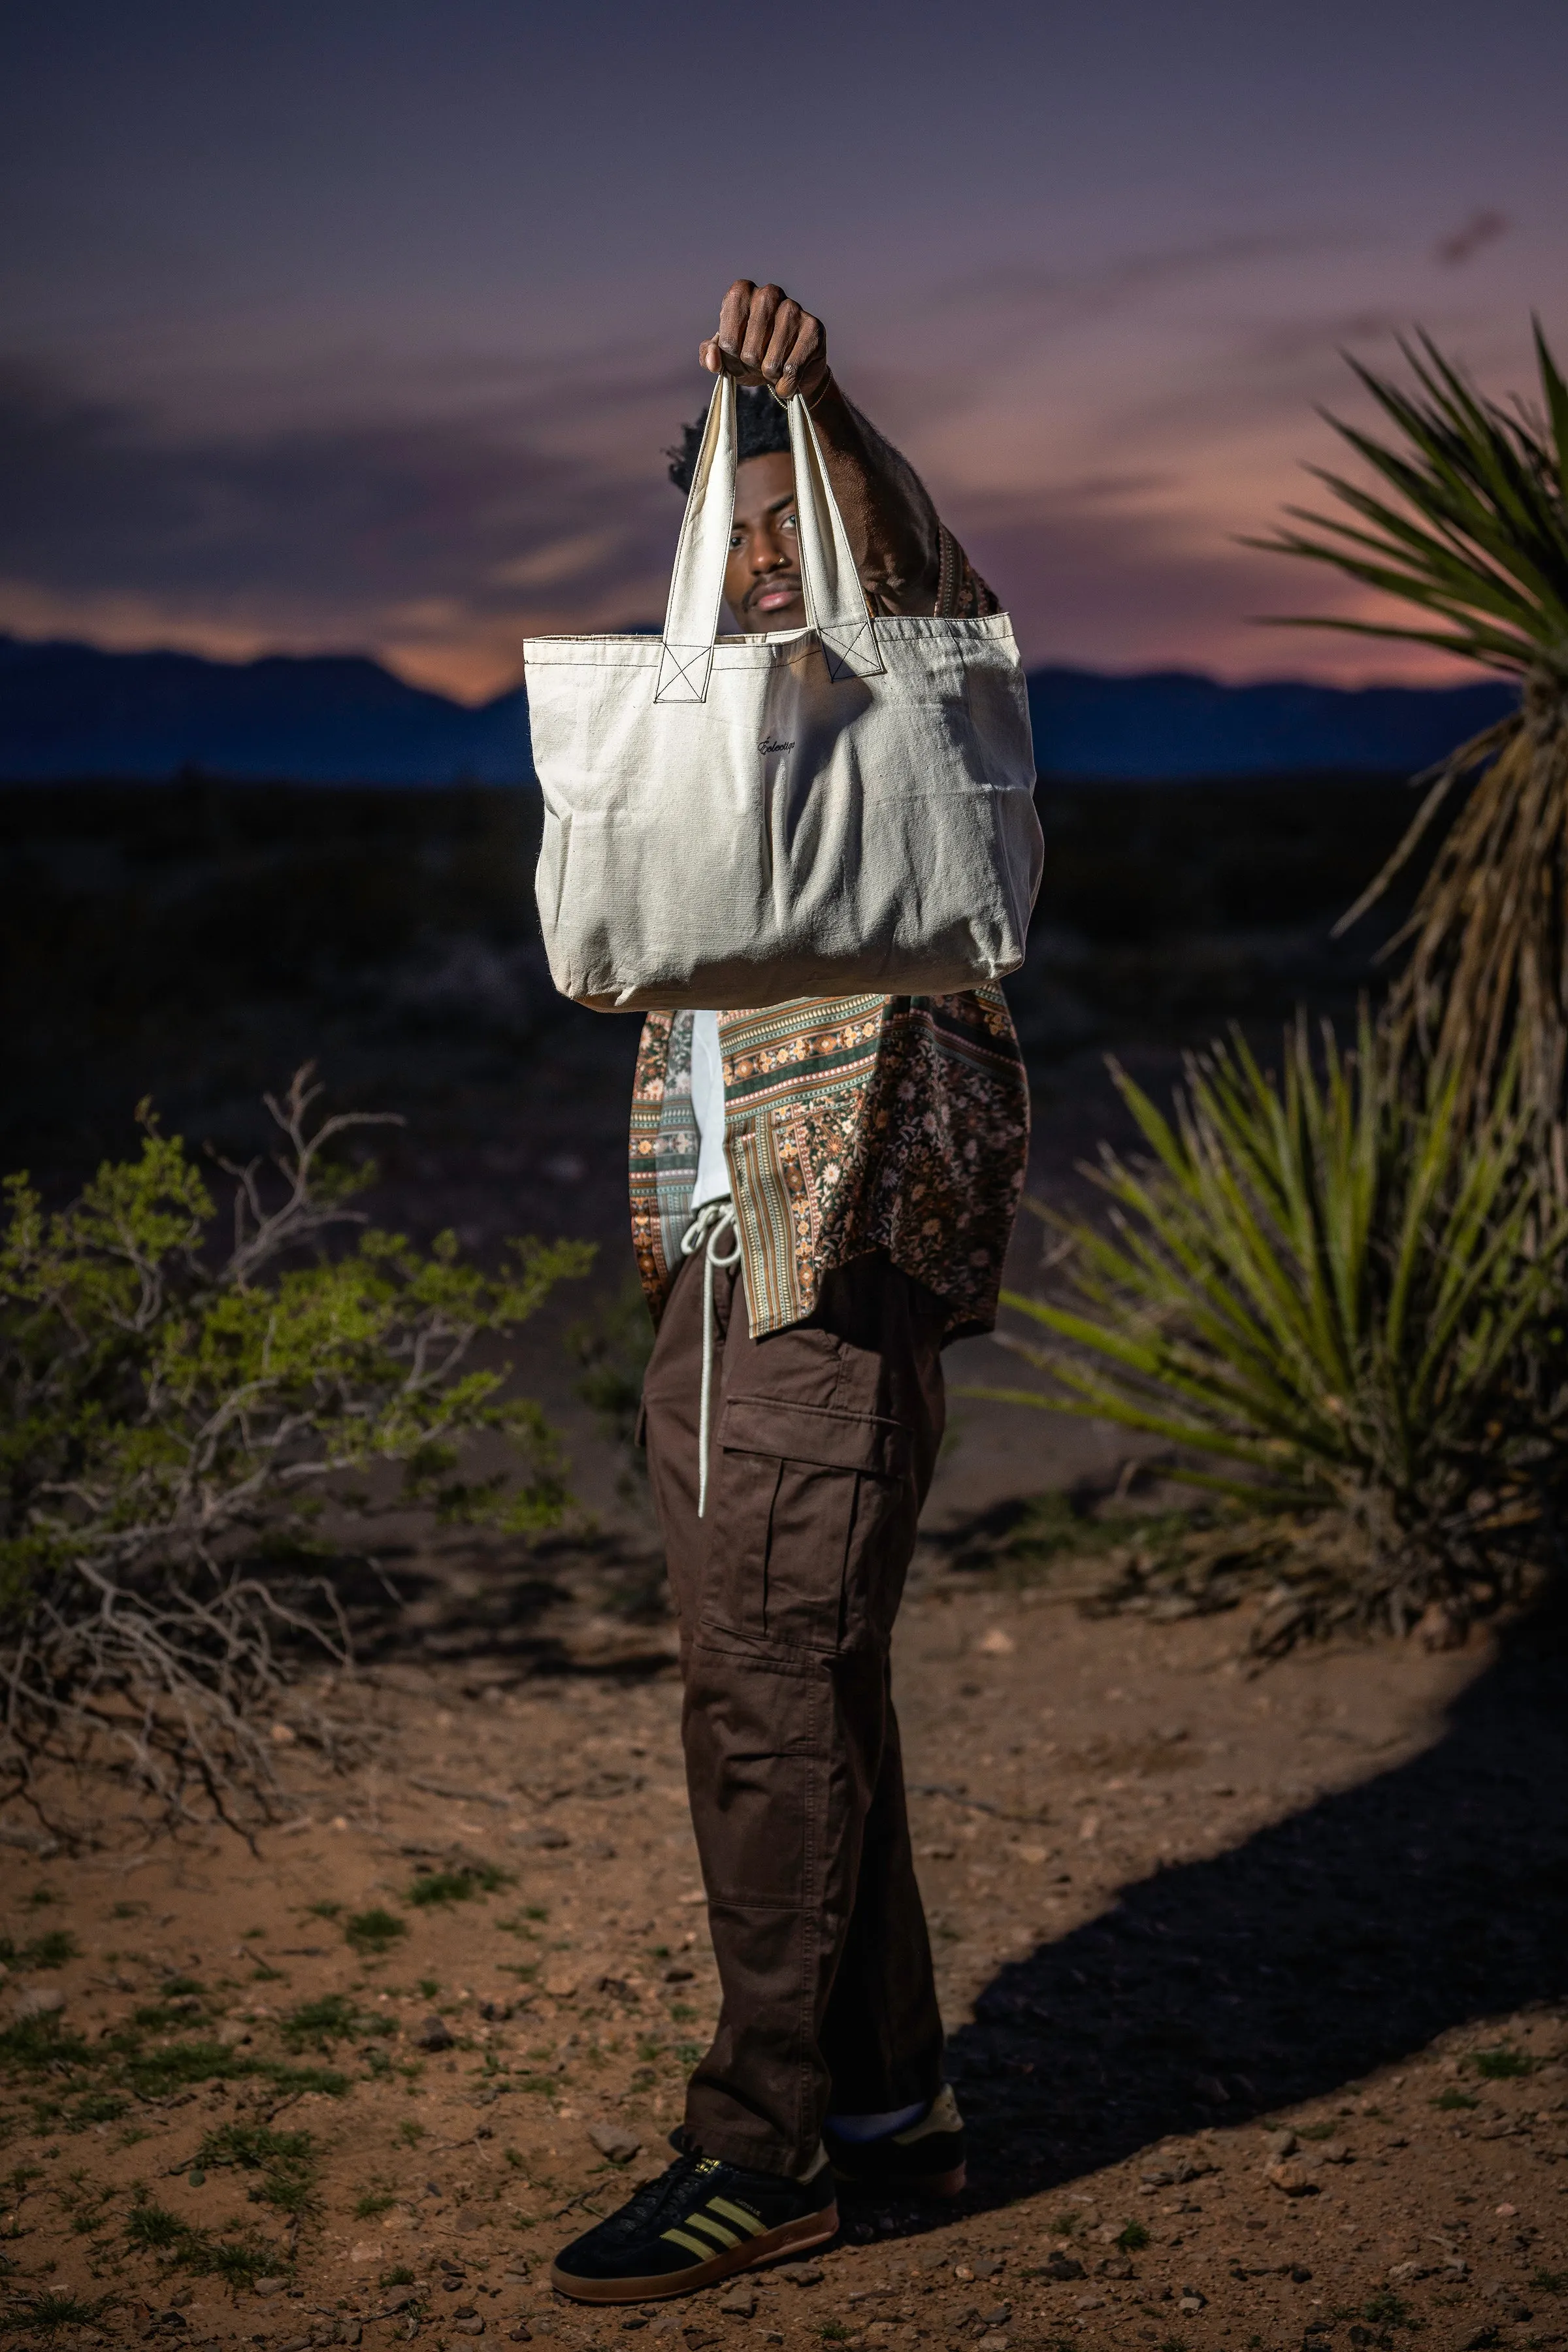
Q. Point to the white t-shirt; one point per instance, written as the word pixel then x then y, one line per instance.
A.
pixel 707 1110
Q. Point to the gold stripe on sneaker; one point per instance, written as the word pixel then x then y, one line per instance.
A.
pixel 726 2238
pixel 737 2214
pixel 698 2246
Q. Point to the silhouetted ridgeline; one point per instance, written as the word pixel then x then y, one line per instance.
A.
pixel 71 711
pixel 195 940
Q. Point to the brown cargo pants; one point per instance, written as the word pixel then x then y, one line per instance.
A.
pixel 823 1441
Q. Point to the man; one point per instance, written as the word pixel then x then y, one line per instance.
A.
pixel 822 1194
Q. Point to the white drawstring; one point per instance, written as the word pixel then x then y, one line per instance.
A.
pixel 705 1232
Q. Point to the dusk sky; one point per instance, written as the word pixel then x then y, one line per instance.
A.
pixel 338 326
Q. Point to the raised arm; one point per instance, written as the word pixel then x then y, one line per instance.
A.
pixel 908 562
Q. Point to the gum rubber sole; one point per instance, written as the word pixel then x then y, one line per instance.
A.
pixel 789 2238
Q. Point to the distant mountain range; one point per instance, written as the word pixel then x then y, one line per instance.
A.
pixel 71 710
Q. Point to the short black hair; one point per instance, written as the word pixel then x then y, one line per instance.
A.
pixel 761 430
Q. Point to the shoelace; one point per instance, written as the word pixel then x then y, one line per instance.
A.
pixel 706 1232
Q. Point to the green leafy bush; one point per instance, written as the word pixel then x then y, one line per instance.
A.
pixel 173 1408
pixel 1344 1297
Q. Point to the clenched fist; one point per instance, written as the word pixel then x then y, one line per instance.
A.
pixel 765 337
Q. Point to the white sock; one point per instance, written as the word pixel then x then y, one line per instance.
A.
pixel 857 2128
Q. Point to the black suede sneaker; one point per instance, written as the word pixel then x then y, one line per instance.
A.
pixel 925 2160
pixel 697 2222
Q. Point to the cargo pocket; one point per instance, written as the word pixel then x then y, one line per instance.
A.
pixel 805 1492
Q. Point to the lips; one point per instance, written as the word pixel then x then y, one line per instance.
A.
pixel 774 598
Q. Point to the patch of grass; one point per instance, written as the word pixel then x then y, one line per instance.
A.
pixel 682 2012
pixel 1316 2131
pixel 240 2261
pixel 458 1885
pixel 42 1897
pixel 324 2022
pixel 833 2331
pixel 1550 2282
pixel 515 2159
pixel 410 2133
pixel 371 2202
pixel 1454 2099
pixel 322 1910
pixel 1501 2065
pixel 1066 2225
pixel 535 1911
pixel 686 2053
pixel 544 2086
pixel 42 2046
pixel 1386 2309
pixel 287 2161
pixel 127 1910
pixel 38 2045
pixel 429 1988
pixel 1133 2237
pixel 96 2108
pixel 376 1930
pixel 50 1951
pixel 54 2309
pixel 401 2276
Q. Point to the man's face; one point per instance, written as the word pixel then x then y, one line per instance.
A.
pixel 762 580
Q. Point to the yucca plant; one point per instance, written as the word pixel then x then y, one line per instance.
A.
pixel 1474 537
pixel 1328 1288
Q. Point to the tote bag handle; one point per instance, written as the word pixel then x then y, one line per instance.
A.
pixel 836 604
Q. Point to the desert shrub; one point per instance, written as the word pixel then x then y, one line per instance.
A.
pixel 1342 1299
pixel 1466 524
pixel 176 1409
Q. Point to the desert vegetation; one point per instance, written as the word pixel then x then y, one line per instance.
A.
pixel 1344 1280
pixel 188 1398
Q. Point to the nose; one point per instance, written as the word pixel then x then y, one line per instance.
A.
pixel 767 554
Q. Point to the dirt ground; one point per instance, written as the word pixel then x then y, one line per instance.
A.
pixel 1256 1983
pixel 1255 1987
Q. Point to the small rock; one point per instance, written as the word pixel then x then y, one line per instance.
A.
pixel 38 2001
pixel 232 2035
pixel 272 2287
pixel 1335 2151
pixel 473 2327
pixel 997 1643
pixel 1283 2144
pixel 469 2220
pixel 997 2319
pixel 1090 2303
pixel 434 2035
pixel 1189 2303
pixel 548 1841
pixel 741 2304
pixel 1292 2179
pixel 678 1973
pixel 984 2266
pixel 614 2141
pixel 1057 2265
pixel 561 1987
pixel 284 1734
pixel 993 2342
pixel 1115 2266
pixel 803 2273
pixel 520 2334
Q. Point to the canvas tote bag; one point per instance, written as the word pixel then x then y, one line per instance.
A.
pixel 745 820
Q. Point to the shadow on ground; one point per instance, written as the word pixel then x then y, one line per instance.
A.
pixel 1333 1943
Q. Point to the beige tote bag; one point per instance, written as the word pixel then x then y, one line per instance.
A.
pixel 745 820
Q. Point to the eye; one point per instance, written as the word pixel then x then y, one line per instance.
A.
pixel 787 522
